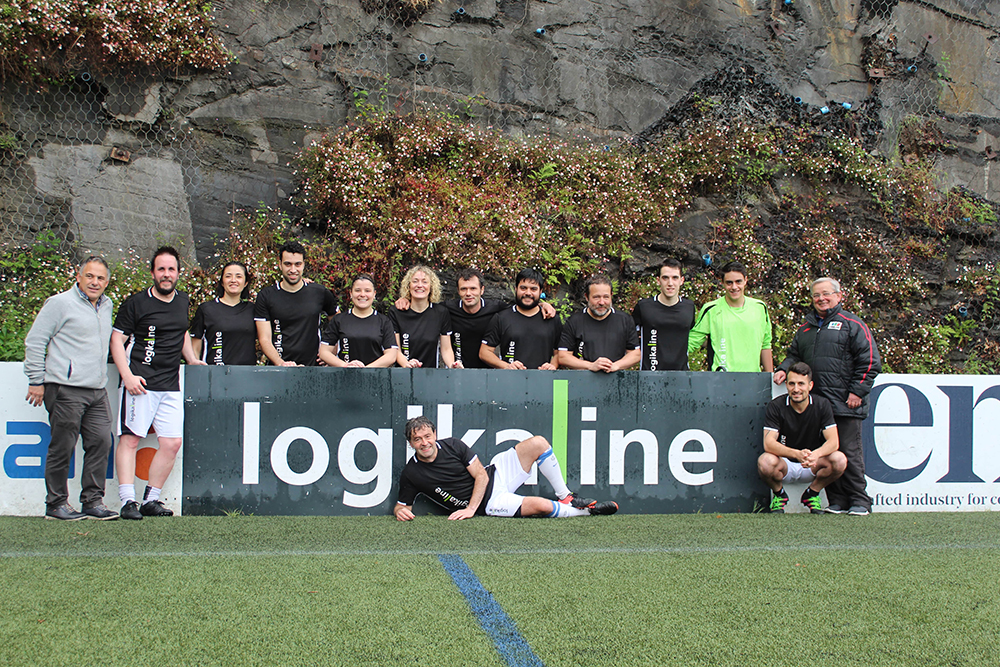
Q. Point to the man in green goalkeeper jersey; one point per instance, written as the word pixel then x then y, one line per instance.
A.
pixel 737 327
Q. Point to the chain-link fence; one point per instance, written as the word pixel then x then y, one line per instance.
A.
pixel 117 162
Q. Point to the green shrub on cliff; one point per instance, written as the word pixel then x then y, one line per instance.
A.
pixel 393 190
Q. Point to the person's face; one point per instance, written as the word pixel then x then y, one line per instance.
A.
pixel 420 286
pixel 470 291
pixel 528 294
pixel 362 294
pixel 292 264
pixel 92 280
pixel 424 443
pixel 670 281
pixel 824 298
pixel 734 283
pixel 799 387
pixel 233 280
pixel 165 273
pixel 599 300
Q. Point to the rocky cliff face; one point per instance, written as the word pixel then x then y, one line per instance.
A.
pixel 190 148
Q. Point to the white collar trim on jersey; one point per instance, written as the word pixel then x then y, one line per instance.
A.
pixel 788 400
pixel 153 296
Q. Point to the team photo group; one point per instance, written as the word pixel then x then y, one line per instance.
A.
pixel 812 434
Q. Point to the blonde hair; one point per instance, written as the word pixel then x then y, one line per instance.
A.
pixel 404 285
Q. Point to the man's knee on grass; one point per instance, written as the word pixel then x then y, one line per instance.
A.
pixel 536 506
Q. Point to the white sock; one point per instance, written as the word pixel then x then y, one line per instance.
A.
pixel 548 465
pixel 561 510
pixel 127 493
pixel 150 494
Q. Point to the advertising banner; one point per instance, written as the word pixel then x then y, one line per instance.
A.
pixel 932 443
pixel 24 444
pixel 330 441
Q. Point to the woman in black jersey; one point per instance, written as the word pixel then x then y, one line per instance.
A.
pixel 423 331
pixel 223 330
pixel 361 337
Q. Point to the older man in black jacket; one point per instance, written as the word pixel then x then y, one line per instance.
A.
pixel 841 350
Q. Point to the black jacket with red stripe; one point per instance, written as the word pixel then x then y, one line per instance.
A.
pixel 843 355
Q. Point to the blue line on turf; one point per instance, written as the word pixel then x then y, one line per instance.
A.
pixel 511 646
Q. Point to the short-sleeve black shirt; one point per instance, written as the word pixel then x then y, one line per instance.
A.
pixel 663 333
pixel 420 333
pixel 155 330
pixel 360 338
pixel 530 340
pixel 469 329
pixel 227 332
pixel 294 318
pixel 446 479
pixel 799 431
pixel 592 339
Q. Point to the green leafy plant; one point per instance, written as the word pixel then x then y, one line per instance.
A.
pixel 9 142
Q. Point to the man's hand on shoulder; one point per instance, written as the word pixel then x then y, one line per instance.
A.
pixel 779 377
pixel 548 310
pixel 402 304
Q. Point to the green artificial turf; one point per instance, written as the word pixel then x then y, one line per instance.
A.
pixel 889 589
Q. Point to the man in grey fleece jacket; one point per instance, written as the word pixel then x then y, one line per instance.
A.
pixel 66 361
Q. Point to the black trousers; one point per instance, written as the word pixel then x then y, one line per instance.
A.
pixel 76 411
pixel 851 488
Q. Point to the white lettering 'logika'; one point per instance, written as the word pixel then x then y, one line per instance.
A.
pixel 380 472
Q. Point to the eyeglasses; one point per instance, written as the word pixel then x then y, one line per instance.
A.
pixel 823 295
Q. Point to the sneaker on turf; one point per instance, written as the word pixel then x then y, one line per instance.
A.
pixel 130 511
pixel 778 503
pixel 859 510
pixel 100 512
pixel 155 508
pixel 64 512
pixel 835 509
pixel 606 507
pixel 578 503
pixel 811 500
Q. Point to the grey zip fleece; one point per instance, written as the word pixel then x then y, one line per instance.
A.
pixel 68 342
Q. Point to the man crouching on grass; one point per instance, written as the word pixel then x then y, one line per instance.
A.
pixel 448 472
pixel 800 442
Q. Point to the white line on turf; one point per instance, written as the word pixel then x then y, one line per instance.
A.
pixel 293 553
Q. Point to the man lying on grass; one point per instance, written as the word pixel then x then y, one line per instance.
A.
pixel 448 472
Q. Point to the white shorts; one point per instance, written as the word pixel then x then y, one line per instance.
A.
pixel 507 478
pixel 163 410
pixel 797 473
